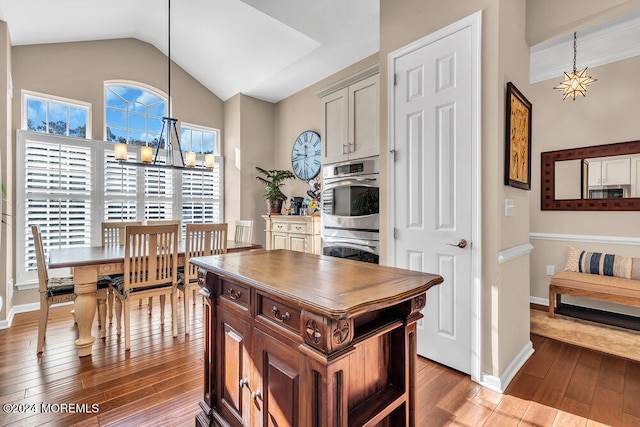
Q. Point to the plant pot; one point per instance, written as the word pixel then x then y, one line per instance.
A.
pixel 274 207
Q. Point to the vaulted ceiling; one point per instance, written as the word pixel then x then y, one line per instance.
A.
pixel 267 49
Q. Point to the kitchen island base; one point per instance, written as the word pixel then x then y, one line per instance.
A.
pixel 277 355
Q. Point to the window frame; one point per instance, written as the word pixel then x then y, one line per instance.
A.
pixel 68 102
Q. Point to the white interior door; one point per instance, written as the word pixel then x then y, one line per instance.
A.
pixel 432 189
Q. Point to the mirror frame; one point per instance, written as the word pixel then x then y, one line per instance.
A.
pixel 547 178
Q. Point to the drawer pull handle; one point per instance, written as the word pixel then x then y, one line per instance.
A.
pixel 276 314
pixel 233 294
pixel 244 383
pixel 256 395
pixel 205 292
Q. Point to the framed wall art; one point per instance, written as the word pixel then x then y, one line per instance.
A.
pixel 517 171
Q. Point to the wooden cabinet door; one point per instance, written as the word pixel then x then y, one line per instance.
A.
pixel 364 111
pixel 594 173
pixel 277 374
pixel 234 367
pixel 298 242
pixel 335 126
pixel 616 172
pixel 279 241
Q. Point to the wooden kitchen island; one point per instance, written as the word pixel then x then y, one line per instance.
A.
pixel 297 339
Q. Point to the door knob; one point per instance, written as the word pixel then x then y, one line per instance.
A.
pixel 461 244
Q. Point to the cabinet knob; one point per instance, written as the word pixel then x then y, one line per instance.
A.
pixel 276 314
pixel 244 383
pixel 256 395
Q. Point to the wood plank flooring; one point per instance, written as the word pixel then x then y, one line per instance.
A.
pixel 159 382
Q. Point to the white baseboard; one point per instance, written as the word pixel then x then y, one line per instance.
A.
pixel 539 301
pixel 501 383
pixel 24 308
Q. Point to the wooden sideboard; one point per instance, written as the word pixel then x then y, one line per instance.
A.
pixel 298 339
pixel 293 232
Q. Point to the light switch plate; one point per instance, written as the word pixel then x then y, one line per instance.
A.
pixel 509 206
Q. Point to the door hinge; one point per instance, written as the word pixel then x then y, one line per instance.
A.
pixel 392 153
pixel 395 79
pixel 395 233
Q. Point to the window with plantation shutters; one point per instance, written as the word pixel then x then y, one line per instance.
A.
pixel 68 184
pixel 58 183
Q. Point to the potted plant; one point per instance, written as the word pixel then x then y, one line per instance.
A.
pixel 273 180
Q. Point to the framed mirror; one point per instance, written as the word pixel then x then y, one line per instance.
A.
pixel 596 178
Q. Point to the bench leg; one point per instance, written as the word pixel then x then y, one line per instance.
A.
pixel 551 303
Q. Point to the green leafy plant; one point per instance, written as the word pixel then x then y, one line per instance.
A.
pixel 273 180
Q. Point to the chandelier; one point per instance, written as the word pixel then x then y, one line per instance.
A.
pixel 173 161
pixel 576 82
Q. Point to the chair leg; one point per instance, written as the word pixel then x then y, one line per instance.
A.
pixel 42 325
pixel 187 317
pixel 150 304
pixel 118 315
pixel 127 326
pixel 102 317
pixel 162 301
pixel 194 296
pixel 110 304
pixel 174 315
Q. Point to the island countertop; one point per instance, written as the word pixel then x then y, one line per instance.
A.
pixel 330 286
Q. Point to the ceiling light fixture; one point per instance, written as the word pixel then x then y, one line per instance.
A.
pixel 576 82
pixel 147 158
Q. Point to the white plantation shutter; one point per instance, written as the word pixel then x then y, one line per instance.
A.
pixel 120 188
pixel 68 185
pixel 158 193
pixel 201 191
pixel 57 195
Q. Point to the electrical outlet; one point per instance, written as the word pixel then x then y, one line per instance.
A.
pixel 551 270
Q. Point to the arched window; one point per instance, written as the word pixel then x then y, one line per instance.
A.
pixel 133 114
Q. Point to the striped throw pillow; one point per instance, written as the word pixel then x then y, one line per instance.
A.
pixel 603 264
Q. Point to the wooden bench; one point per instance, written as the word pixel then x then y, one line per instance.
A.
pixel 593 286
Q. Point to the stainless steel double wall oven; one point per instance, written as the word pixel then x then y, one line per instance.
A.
pixel 351 210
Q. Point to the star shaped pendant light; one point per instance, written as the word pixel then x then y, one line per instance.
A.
pixel 576 82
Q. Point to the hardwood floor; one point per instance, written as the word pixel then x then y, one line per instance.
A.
pixel 159 382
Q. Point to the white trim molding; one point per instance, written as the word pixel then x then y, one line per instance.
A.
pixel 539 301
pixel 501 383
pixel 600 44
pixel 514 252
pixel 582 238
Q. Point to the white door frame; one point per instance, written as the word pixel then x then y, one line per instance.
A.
pixel 475 22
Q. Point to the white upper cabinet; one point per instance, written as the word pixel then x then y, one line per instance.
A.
pixel 609 171
pixel 350 121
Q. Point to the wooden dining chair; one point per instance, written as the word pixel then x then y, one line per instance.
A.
pixel 56 290
pixel 150 269
pixel 161 222
pixel 113 235
pixel 244 230
pixel 200 240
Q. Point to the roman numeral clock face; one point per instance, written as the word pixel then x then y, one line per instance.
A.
pixel 305 155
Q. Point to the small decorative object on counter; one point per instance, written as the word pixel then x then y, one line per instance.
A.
pixel 313 202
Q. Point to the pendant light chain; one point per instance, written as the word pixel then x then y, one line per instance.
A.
pixel 575 50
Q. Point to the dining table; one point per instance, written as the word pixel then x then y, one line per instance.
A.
pixel 88 263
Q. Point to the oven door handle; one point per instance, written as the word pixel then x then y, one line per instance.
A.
pixel 347 182
pixel 351 245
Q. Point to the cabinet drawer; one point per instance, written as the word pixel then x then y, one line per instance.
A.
pixel 236 293
pixel 298 227
pixel 279 226
pixel 282 314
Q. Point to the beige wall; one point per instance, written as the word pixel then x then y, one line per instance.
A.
pixel 608 114
pixel 78 71
pixel 6 175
